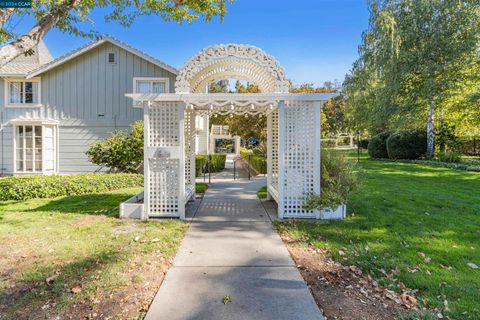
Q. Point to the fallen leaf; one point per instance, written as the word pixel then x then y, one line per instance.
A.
pixel 76 289
pixel 472 265
pixel 408 300
pixel 226 299
pixel 51 279
pixel 155 240
pixel 421 254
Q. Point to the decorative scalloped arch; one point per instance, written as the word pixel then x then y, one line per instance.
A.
pixel 243 62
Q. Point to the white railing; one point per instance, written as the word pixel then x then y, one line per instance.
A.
pixel 220 130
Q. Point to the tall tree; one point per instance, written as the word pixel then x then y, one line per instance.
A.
pixel 418 58
pixel 68 16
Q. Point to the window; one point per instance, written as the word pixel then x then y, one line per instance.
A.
pixel 21 92
pixel 150 85
pixel 35 148
pixel 111 57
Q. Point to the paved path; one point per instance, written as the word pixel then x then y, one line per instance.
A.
pixel 232 250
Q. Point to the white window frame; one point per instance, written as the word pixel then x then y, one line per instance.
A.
pixel 152 79
pixel 42 124
pixel 8 104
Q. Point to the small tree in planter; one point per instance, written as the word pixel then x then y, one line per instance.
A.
pixel 337 181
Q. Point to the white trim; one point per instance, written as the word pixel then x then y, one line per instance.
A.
pixel 95 44
pixel 6 91
pixel 212 97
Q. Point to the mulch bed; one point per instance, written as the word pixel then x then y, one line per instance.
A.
pixel 343 292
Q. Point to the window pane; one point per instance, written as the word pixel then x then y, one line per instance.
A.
pixel 19 165
pixel 16 92
pixel 38 154
pixel 19 154
pixel 28 137
pixel 143 87
pixel 35 92
pixel 29 165
pixel 158 87
pixel 38 165
pixel 38 131
pixel 19 137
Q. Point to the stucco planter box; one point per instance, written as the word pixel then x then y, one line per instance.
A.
pixel 132 208
pixel 337 214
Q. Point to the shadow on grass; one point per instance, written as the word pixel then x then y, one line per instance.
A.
pixel 98 204
pixel 33 291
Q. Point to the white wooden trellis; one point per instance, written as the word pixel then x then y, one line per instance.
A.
pixel 293 130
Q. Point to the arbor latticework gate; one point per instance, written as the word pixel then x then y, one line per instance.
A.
pixel 293 130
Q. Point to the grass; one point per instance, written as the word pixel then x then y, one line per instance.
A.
pixel 421 219
pixel 201 187
pixel 74 242
pixel 262 192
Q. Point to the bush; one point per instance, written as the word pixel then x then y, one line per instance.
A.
pixel 452 157
pixel 22 188
pixel 217 163
pixel 121 151
pixel 364 143
pixel 200 161
pixel 328 143
pixel 257 162
pixel 377 146
pixel 337 181
pixel 409 144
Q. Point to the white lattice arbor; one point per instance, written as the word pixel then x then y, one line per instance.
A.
pixel 293 129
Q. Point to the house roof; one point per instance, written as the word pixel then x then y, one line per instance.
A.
pixel 75 53
pixel 23 64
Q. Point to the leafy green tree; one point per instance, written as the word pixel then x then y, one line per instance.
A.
pixel 418 59
pixel 122 151
pixel 69 16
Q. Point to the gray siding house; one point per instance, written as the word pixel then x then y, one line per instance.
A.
pixel 51 110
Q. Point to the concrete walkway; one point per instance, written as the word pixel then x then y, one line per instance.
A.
pixel 232 250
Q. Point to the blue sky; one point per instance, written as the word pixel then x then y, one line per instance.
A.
pixel 314 40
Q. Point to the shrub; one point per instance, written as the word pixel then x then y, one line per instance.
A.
pixel 408 144
pixel 217 163
pixel 200 161
pixel 452 157
pixel 328 143
pixel 363 143
pixel 22 188
pixel 257 162
pixel 377 146
pixel 121 151
pixel 337 181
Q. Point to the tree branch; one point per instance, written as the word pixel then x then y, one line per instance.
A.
pixel 29 40
pixel 5 14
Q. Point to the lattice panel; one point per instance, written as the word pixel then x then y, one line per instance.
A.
pixel 189 150
pixel 272 123
pixel 163 187
pixel 299 158
pixel 164 118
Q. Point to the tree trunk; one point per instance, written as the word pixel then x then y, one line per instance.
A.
pixel 441 137
pixel 430 129
pixel 29 40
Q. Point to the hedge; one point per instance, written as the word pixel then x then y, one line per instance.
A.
pixel 408 144
pixel 217 163
pixel 23 188
pixel 200 161
pixel 258 163
pixel 377 146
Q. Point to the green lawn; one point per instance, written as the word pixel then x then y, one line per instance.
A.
pixel 424 220
pixel 73 256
